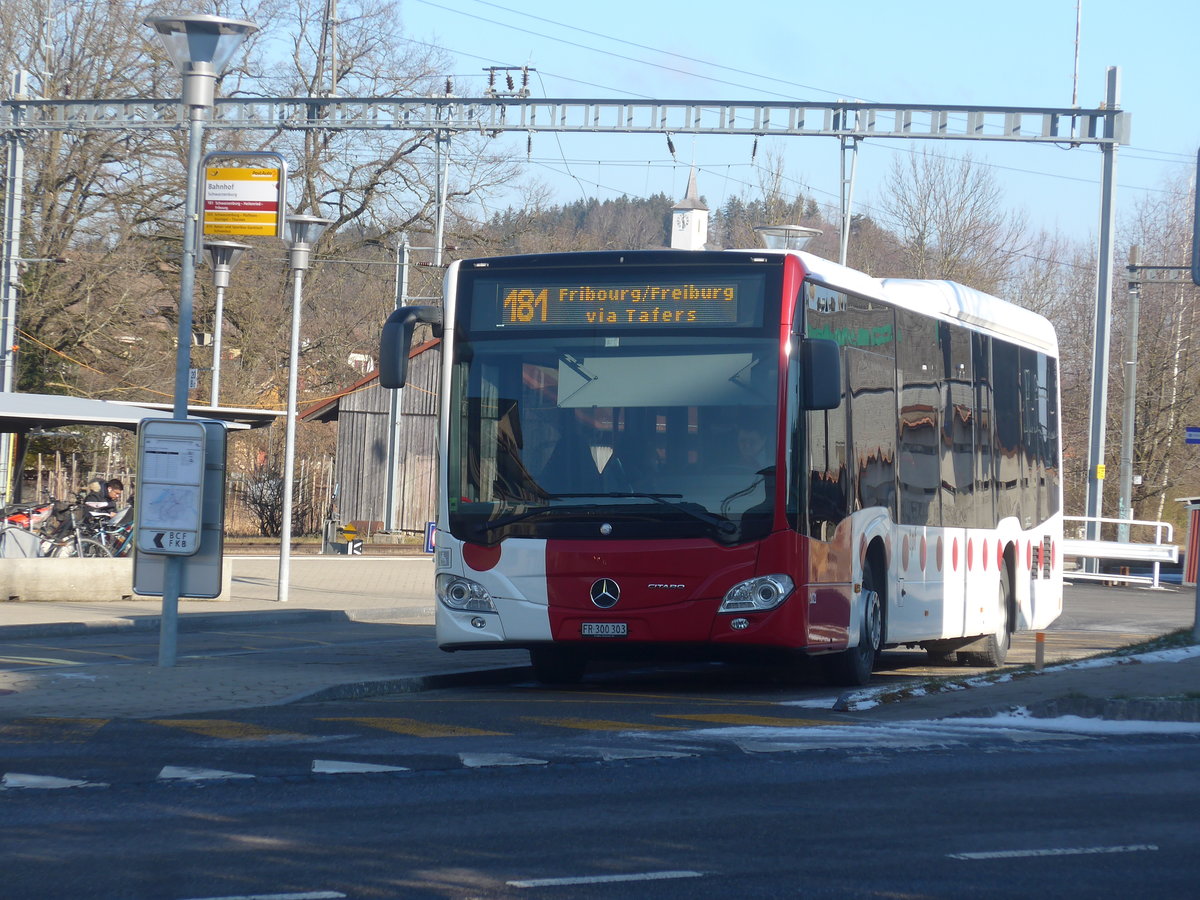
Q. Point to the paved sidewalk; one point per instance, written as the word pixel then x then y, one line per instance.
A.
pixel 398 591
pixel 396 587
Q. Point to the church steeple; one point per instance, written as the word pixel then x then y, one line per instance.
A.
pixel 689 219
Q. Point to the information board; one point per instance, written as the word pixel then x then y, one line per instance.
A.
pixel 242 201
pixel 170 486
pixel 598 300
pixel 202 572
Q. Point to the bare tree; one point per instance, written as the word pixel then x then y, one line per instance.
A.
pixel 951 220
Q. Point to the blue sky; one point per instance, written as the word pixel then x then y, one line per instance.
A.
pixel 1019 53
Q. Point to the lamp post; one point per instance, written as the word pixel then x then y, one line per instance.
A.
pixel 223 256
pixel 303 233
pixel 200 47
pixel 1128 410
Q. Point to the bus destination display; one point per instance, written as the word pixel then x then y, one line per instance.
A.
pixel 674 303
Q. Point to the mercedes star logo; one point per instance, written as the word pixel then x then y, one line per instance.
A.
pixel 606 593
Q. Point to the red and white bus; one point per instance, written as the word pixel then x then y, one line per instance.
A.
pixel 737 454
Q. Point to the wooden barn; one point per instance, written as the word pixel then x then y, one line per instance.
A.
pixel 360 468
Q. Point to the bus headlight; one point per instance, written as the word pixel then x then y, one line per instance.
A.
pixel 462 593
pixel 762 593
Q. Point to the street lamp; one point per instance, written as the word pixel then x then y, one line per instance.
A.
pixel 200 47
pixel 786 237
pixel 303 233
pixel 223 256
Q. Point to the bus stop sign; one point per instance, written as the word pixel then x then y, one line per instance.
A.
pixel 170 486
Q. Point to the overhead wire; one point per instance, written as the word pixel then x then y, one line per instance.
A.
pixel 1171 157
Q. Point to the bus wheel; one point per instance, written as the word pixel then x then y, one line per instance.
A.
pixel 557 665
pixel 943 652
pixel 993 649
pixel 941 657
pixel 853 667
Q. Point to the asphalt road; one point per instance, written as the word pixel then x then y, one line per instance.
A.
pixel 978 817
pixel 665 781
pixel 621 709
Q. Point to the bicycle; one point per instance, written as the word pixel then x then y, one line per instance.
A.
pixel 23 530
pixel 69 537
pixel 112 530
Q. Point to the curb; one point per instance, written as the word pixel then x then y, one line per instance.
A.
pixel 1145 710
pixel 201 621
pixel 412 684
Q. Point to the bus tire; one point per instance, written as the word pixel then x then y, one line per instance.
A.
pixel 853 667
pixel 941 657
pixel 992 650
pixel 557 665
pixel 944 651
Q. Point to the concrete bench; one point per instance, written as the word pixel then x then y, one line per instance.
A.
pixel 74 580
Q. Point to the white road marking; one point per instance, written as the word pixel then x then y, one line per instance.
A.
pixel 1058 851
pixel 603 879
pixel 337 767
pixel 187 773
pixel 484 760
pixel 310 895
pixel 44 782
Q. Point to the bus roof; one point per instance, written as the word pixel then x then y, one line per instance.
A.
pixel 940 299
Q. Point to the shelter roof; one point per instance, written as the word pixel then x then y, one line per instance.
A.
pixel 21 413
pixel 327 410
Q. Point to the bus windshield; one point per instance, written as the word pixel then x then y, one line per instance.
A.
pixel 563 437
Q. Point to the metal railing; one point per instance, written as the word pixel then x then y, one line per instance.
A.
pixel 1161 549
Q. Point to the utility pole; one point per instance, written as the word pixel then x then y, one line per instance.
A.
pixel 1104 271
pixel 1125 475
pixel 10 268
pixel 390 523
pixel 1138 275
pixel 849 148
pixel 395 425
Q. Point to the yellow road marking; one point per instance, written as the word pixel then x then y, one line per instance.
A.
pixel 39 661
pixel 719 701
pixel 60 731
pixel 104 654
pixel 226 729
pixel 739 719
pixel 598 724
pixel 416 728
pixel 271 638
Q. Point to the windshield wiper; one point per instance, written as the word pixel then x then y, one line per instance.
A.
pixel 723 526
pixel 485 527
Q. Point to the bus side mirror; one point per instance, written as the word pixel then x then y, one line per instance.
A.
pixel 396 338
pixel 822 368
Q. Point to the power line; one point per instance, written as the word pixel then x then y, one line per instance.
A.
pixel 605 52
pixel 618 40
pixel 1165 156
pixel 494 61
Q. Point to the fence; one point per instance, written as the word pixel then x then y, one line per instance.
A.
pixel 61 478
pixel 1116 544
